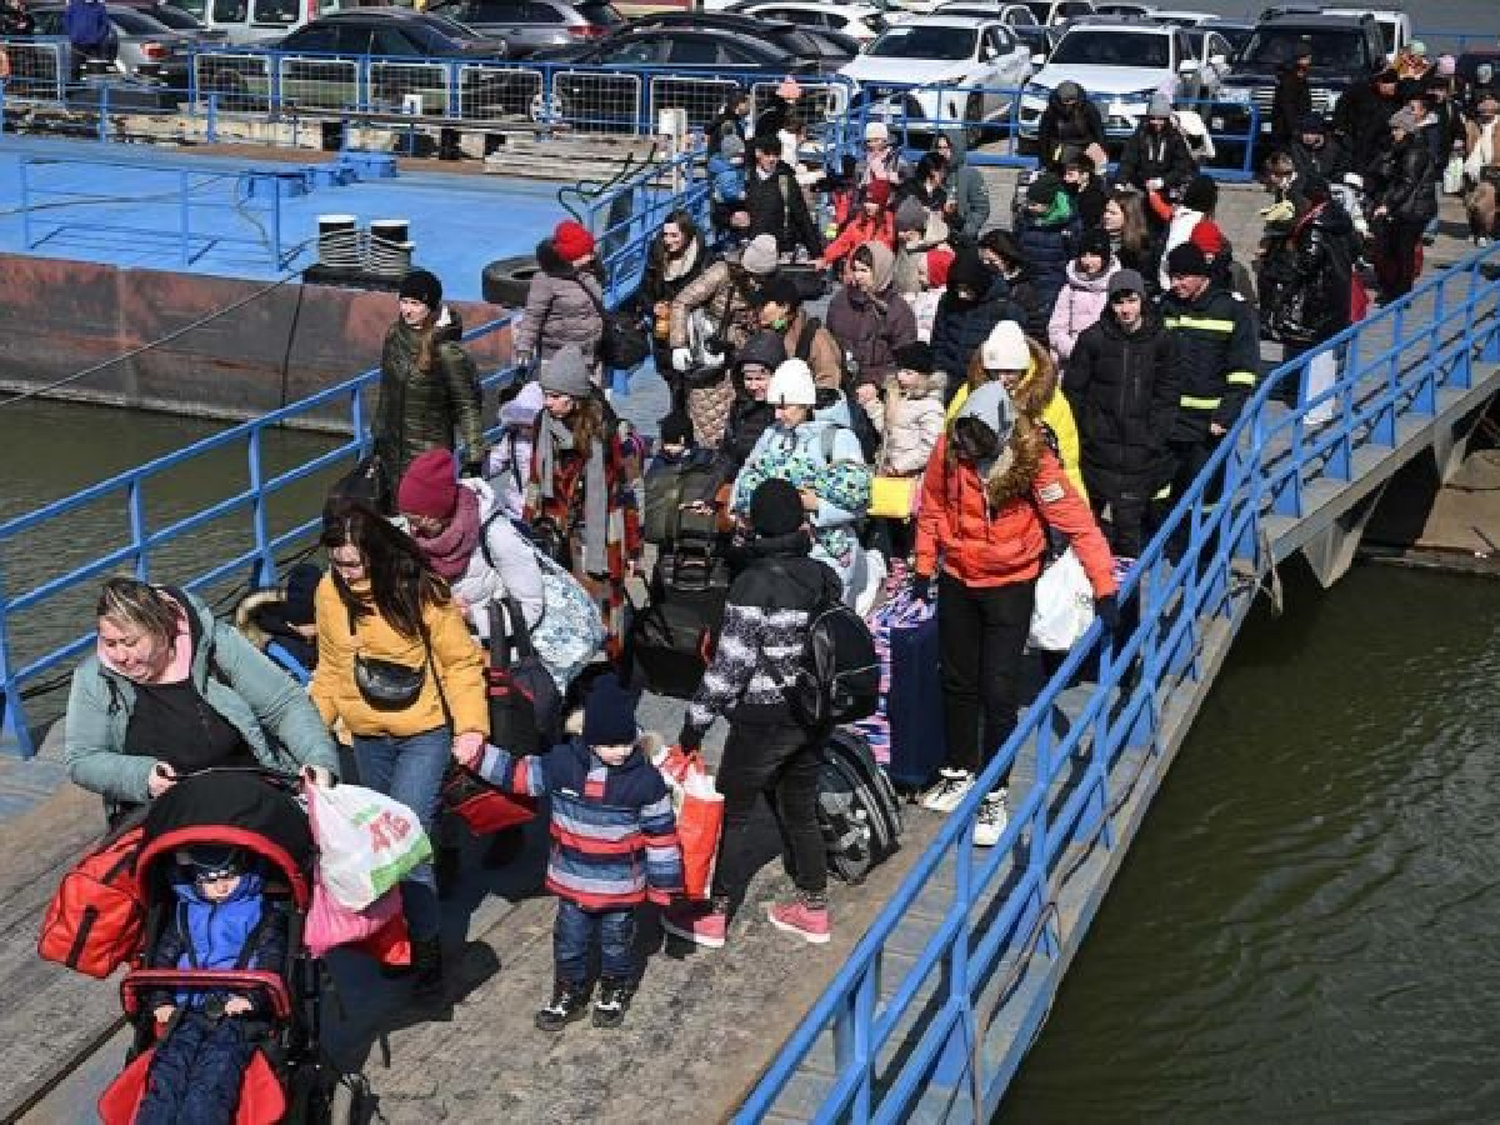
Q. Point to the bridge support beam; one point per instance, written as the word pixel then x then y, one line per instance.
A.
pixel 1331 551
pixel 1450 444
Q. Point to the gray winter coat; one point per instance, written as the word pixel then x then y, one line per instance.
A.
pixel 966 189
pixel 561 309
pixel 249 691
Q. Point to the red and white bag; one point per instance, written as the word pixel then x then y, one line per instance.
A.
pixel 700 818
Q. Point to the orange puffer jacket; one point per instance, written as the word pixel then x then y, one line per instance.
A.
pixel 990 532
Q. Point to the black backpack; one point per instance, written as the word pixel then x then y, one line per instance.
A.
pixel 858 812
pixel 859 421
pixel 837 677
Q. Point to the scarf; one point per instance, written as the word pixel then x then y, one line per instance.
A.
pixel 556 436
pixel 449 551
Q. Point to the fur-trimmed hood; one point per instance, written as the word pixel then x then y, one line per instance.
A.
pixel 1011 476
pixel 1034 392
pixel 254 610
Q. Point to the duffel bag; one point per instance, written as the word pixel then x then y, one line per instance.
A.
pixel 95 921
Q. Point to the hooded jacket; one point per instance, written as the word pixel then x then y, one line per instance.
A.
pixel 960 326
pixel 234 678
pixel 503 565
pixel 912 425
pixel 1123 388
pixel 988 529
pixel 861 228
pixel 1047 242
pixel 1063 133
pixel 966 190
pixel 261 616
pixel 562 308
pixel 1314 302
pixel 222 935
pixel 871 326
pixel 821 350
pixel 727 296
pixel 509 465
pixel 666 276
pixel 416 411
pixel 777 207
pixel 1149 155
pixel 1079 305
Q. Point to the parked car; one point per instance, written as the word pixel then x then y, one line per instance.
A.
pixel 1180 17
pixel 534 25
pixel 147 49
pixel 1012 15
pixel 1344 52
pixel 1394 24
pixel 1128 60
pixel 175 18
pixel 939 55
pixel 1040 41
pixel 1236 32
pixel 860 22
pixel 1111 9
pixel 832 48
pixel 328 77
pixel 1050 13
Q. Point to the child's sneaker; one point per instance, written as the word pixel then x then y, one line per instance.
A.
pixel 810 923
pixel 609 1006
pixel 569 1002
pixel 949 792
pixel 702 923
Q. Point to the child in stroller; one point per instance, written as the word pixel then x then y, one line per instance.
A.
pixel 226 1003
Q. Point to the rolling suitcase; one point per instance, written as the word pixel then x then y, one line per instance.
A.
pixel 672 638
pixel 914 705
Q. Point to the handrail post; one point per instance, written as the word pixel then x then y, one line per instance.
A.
pixel 13 725
pixel 137 507
pixel 103 88
pixel 184 187
pixel 211 128
pixel 266 568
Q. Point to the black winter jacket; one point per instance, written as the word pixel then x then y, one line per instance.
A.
pixel 1033 309
pixel 1332 161
pixel 777 206
pixel 1218 359
pixel 1364 117
pixel 1311 301
pixel 1048 247
pixel 1291 102
pixel 1409 177
pixel 1151 156
pixel 415 410
pixel 1123 388
pixel 961 326
pixel 748 419
pixel 1063 134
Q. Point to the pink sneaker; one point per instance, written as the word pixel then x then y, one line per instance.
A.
pixel 697 922
pixel 810 923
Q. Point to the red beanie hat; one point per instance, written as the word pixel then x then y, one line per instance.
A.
pixel 572 241
pixel 878 192
pixel 430 486
pixel 1207 237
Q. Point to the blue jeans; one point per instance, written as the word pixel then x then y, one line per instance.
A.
pixel 411 771
pixel 575 932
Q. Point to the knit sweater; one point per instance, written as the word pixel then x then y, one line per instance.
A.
pixel 614 838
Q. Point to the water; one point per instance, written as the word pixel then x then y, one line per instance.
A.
pixel 1302 931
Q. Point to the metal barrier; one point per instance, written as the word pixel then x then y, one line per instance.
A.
pixel 37 70
pixel 623 216
pixel 943 995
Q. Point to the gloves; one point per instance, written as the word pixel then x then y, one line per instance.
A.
pixel 1107 609
pixel 921 587
pixel 319 776
pixel 682 359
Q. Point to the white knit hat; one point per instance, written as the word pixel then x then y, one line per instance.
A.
pixel 877 131
pixel 1005 349
pixel 792 385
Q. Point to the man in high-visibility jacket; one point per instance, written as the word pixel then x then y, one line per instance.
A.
pixel 1218 362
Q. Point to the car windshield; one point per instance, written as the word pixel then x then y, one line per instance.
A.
pixel 137 23
pixel 447 25
pixel 948 44
pixel 1237 36
pixel 602 15
pixel 1332 48
pixel 1112 47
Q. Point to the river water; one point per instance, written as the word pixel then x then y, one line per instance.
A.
pixel 1304 929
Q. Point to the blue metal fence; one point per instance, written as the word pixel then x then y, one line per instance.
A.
pixel 623 216
pixel 909 1017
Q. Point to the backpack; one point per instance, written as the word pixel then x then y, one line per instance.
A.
pixel 97 917
pixel 858 812
pixel 837 676
pixel 669 487
pixel 859 421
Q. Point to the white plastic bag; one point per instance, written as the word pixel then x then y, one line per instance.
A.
pixel 1064 607
pixel 1453 176
pixel 367 842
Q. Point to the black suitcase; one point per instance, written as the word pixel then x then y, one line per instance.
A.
pixel 672 638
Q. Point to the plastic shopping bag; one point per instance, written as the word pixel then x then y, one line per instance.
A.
pixel 330 924
pixel 367 842
pixel 700 818
pixel 1064 607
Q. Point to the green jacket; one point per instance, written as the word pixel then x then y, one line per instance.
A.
pixel 416 412
pixel 249 691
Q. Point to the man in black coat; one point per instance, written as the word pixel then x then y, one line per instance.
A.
pixel 1123 388
pixel 1157 157
pixel 1292 100
pixel 775 202
pixel 1362 116
pixel 1406 204
pixel 1069 126
pixel 1317 152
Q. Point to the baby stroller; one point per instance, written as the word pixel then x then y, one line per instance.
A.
pixel 288 1076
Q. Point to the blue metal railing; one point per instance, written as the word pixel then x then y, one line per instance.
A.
pixel 997 917
pixel 623 216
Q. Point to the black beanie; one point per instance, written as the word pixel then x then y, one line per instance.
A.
pixel 1094 241
pixel 1187 260
pixel 423 285
pixel 1201 195
pixel 609 714
pixel 776 508
pixel 676 429
pixel 969 271
pixel 915 356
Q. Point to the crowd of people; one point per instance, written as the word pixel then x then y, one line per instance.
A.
pixel 980 391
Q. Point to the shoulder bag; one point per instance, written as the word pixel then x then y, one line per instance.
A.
pixel 623 344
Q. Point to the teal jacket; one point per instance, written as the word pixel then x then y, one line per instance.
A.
pixel 247 689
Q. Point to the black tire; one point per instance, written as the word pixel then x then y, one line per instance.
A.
pixel 507 281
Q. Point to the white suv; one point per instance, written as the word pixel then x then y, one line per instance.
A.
pixel 1127 61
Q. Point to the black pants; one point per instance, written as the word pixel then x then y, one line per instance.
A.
pixel 1399 242
pixel 982 633
pixel 1128 511
pixel 779 760
pixel 1188 458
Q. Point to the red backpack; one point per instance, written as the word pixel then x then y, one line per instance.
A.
pixel 95 921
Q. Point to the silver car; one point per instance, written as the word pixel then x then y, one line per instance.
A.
pixel 146 48
pixel 530 25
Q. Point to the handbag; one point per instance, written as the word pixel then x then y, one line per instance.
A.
pixel 624 343
pixel 894 498
pixel 385 684
pixel 700 818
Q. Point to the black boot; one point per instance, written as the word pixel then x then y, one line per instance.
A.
pixel 614 997
pixel 427 968
pixel 569 1002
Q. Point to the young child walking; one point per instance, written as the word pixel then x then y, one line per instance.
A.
pixel 614 845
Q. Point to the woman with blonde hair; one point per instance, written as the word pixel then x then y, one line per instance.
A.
pixel 170 690
pixel 397 666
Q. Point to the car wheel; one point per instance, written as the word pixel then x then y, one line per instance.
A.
pixel 507 281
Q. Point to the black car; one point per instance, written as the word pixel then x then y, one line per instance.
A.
pixel 329 77
pixel 726 56
pixel 833 48
pixel 1345 52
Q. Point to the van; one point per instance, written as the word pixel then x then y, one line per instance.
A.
pixel 255 21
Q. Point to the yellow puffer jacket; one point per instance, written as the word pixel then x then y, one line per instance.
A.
pixel 456 658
